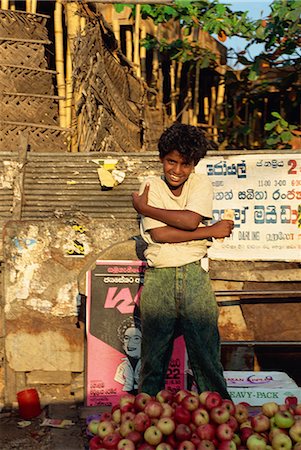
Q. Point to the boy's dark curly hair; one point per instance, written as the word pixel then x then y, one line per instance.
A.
pixel 188 140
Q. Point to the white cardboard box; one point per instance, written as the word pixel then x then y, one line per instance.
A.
pixel 257 388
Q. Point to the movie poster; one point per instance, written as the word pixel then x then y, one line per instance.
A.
pixel 114 334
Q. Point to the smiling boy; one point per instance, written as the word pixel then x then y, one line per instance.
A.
pixel 177 296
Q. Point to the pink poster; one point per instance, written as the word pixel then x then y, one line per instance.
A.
pixel 114 334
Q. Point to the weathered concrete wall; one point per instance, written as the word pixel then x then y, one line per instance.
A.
pixel 40 290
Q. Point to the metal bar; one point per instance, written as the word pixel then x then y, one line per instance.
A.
pixel 294 293
pixel 264 343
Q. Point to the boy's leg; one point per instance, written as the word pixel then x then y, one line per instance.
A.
pixel 199 314
pixel 158 317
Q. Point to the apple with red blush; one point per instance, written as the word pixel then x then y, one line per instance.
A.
pixel 219 414
pixel 260 423
pixel 190 402
pixel 164 396
pixel 200 416
pixel 224 432
pixel 227 445
pixel 153 409
pixel 213 399
pixel 241 413
pixel 206 431
pixel 141 401
pixel 141 421
pixel 206 445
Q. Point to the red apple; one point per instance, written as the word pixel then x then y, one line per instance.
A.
pixel 104 428
pixel 195 439
pixel 260 423
pixel 153 408
pixel 224 432
pixel 106 416
pixel 141 421
pixel 110 441
pixel 182 415
pixel 178 397
pixel 206 431
pixel 227 445
pixel 245 433
pixel 135 436
pixel 153 435
pixel 95 443
pixel 146 446
pixel 166 425
pixel 190 402
pixel 186 445
pixel 213 399
pixel 200 416
pixel 233 423
pixel 182 432
pixel 206 445
pixel 219 414
pixel 229 405
pixel 141 400
pixel 164 396
pixel 171 440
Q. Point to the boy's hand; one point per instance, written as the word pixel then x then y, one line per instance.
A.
pixel 222 229
pixel 140 201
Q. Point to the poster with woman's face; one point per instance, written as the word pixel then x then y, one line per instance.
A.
pixel 114 334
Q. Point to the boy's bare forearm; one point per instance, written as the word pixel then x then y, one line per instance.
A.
pixel 182 220
pixel 173 235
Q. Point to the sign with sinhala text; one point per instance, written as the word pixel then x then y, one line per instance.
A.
pixel 264 191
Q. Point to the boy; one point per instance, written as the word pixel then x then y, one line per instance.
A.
pixel 177 296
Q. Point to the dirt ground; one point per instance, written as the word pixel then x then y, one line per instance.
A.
pixel 15 433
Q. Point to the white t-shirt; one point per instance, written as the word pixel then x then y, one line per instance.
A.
pixel 196 196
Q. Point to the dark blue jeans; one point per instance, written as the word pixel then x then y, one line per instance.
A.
pixel 180 300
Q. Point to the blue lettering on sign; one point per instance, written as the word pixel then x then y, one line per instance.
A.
pixel 265 214
pixel 223 169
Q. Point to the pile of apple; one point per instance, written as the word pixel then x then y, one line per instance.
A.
pixel 190 421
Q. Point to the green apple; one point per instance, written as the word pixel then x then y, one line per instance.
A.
pixel 284 419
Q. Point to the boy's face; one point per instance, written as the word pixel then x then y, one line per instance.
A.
pixel 176 171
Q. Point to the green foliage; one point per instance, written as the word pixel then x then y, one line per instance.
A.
pixel 280 132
